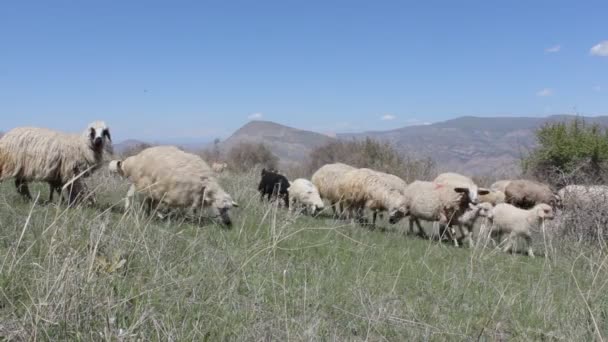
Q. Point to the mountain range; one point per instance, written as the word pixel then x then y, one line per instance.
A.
pixel 473 145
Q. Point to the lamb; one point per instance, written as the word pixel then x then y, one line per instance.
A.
pixel 326 179
pixel 169 176
pixel 459 181
pixel 303 192
pixel 60 159
pixel 219 167
pixel 583 195
pixel 493 197
pixel 500 185
pixel 274 185
pixel 365 188
pixel 508 219
pixel 526 194
pixel 437 202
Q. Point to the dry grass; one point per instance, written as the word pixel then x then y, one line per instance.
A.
pixel 103 274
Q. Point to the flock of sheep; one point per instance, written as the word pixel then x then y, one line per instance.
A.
pixel 169 177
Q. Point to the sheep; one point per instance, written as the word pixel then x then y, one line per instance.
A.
pixel 169 176
pixel 219 167
pixel 274 185
pixel 326 179
pixel 60 159
pixel 583 195
pixel 460 181
pixel 508 219
pixel 365 188
pixel 302 191
pixel 526 194
pixel 493 197
pixel 437 202
pixel 500 185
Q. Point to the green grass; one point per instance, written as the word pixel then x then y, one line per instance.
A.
pixel 102 274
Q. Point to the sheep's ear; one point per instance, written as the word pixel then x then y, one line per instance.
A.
pixel 472 206
pixel 461 190
pixel 234 204
pixel 483 191
pixel 119 165
pixel 106 133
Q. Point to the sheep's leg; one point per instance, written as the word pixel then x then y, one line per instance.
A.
pixel 130 196
pixel 22 188
pixel 529 242
pixel 286 200
pixel 467 234
pixel 421 231
pixel 509 245
pixel 374 215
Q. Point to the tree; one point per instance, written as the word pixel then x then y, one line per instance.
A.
pixel 245 156
pixel 569 152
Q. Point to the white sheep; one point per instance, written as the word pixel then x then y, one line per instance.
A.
pixel 60 159
pixel 493 197
pixel 516 222
pixel 218 167
pixel 166 175
pixel 437 202
pixel 365 188
pixel 326 180
pixel 459 181
pixel 584 195
pixel 500 185
pixel 303 192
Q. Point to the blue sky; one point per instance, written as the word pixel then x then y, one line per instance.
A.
pixel 160 70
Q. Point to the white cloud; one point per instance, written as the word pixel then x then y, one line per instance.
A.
pixel 255 116
pixel 545 92
pixel 553 49
pixel 388 117
pixel 597 88
pixel 600 49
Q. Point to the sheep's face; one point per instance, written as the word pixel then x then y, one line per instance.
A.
pixel 544 211
pixel 116 167
pixel 472 193
pixel 396 214
pixel 222 202
pixel 99 137
pixel 483 209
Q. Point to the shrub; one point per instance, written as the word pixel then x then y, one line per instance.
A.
pixel 246 156
pixel 569 152
pixel 369 153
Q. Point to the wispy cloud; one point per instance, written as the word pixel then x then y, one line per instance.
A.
pixel 553 49
pixel 387 117
pixel 600 49
pixel 545 92
pixel 597 88
pixel 255 116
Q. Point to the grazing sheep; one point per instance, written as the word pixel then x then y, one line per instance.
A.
pixel 219 167
pixel 525 194
pixel 303 192
pixel 365 188
pixel 501 185
pixel 169 176
pixel 493 197
pixel 459 181
pixel 437 202
pixel 40 154
pixel 584 195
pixel 274 185
pixel 326 179
pixel 508 219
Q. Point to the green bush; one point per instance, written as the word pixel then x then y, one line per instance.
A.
pixel 569 152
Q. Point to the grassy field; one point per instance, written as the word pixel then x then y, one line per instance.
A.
pixel 103 274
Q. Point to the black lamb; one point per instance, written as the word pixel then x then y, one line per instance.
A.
pixel 274 185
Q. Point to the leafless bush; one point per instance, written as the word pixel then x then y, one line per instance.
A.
pixel 369 153
pixel 246 156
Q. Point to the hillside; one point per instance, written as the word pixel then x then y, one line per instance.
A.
pixel 289 144
pixel 471 144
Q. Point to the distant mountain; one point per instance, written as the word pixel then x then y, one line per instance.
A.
pixel 289 144
pixel 470 144
pixel 125 145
